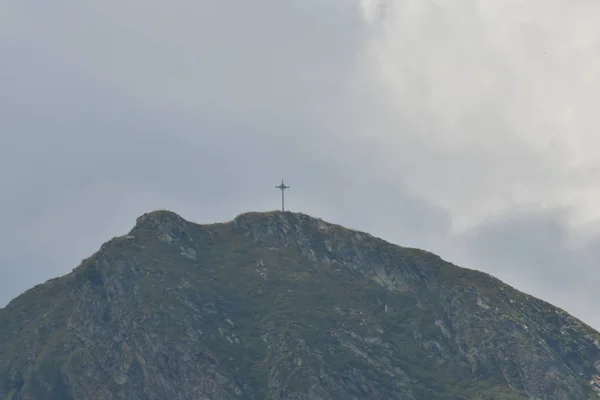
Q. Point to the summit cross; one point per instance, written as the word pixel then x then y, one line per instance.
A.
pixel 282 187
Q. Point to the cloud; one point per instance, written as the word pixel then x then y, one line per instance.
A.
pixel 487 110
pixel 486 104
pixel 466 128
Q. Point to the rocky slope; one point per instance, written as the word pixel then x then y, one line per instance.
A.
pixel 285 306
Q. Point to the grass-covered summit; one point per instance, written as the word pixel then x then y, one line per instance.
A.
pixel 281 305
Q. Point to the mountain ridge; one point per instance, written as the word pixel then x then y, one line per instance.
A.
pixel 409 324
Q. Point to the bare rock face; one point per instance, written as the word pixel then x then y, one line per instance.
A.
pixel 285 306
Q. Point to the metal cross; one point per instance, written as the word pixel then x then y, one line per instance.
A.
pixel 282 187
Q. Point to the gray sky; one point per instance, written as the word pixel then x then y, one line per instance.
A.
pixel 467 128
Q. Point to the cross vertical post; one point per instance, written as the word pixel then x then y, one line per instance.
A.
pixel 282 187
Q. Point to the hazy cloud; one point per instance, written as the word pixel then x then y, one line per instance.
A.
pixel 467 127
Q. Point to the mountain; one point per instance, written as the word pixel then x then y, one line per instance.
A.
pixel 281 305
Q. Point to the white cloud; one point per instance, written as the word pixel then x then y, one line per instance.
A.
pixel 488 104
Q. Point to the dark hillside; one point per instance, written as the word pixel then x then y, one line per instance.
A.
pixel 285 306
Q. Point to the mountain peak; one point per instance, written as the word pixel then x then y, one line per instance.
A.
pixel 287 219
pixel 160 218
pixel 284 305
pixel 279 225
pixel 168 225
pixel 158 215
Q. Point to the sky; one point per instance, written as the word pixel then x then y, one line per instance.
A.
pixel 467 127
